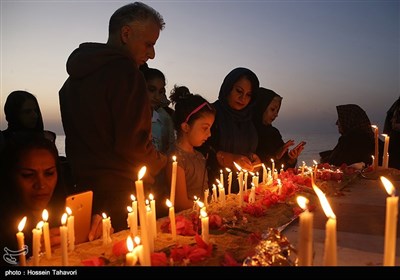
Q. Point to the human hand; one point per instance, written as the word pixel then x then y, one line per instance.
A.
pixel 96 229
pixel 284 149
pixel 296 151
pixel 244 162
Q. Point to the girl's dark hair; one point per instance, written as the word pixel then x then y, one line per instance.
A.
pixel 188 106
pixel 151 73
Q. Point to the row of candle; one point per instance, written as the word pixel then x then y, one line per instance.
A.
pixel 305 247
pixel 67 234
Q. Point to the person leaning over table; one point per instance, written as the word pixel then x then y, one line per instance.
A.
pixel 31 181
pixel 270 142
pixel 356 142
pixel 106 113
pixel 233 135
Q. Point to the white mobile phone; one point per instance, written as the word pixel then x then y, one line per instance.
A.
pixel 81 206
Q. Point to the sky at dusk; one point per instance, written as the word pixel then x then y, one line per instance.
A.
pixel 315 54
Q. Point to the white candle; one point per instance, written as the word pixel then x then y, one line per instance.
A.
pixel 221 177
pixel 385 160
pixel 305 248
pixel 330 251
pixel 246 175
pixel 131 258
pixel 273 168
pixel 138 250
pixel 303 166
pixel 206 192
pixel 240 180
pixel 149 221
pixel 229 180
pixel 265 174
pixel 376 154
pixel 71 229
pixel 153 213
pixel 221 192
pixel 21 242
pixel 252 196
pixel 46 233
pixel 204 226
pixel 36 236
pixel 173 180
pixel 214 194
pixel 106 222
pixel 64 240
pixel 135 215
pixel 392 202
pixel 129 220
pixel 172 219
pixel 142 218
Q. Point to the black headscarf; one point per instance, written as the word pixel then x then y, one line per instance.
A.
pixel 234 129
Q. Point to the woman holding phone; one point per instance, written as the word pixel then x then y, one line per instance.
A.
pixel 270 142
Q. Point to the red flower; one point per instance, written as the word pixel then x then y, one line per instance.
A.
pixel 159 259
pixel 215 221
pixel 120 248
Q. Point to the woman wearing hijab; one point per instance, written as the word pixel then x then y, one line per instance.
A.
pixel 233 135
pixel 356 143
pixel 270 142
pixel 392 128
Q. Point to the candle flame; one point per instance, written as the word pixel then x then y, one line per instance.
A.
pixel 133 198
pixel 151 196
pixel 384 135
pixel 147 202
pixel 237 166
pixel 227 169
pixel 22 223
pixel 169 203
pixel 251 173
pixel 324 203
pixel 218 181
pixel 374 126
pixel 45 215
pixel 137 240
pixel 195 198
pixel 388 186
pixel 203 214
pixel 142 171
pixel 104 215
pixel 129 243
pixel 200 204
pixel 315 162
pixel 64 219
pixel 302 202
pixel 129 209
pixel 69 211
pixel 174 158
pixel 220 171
pixel 148 208
pixel 272 160
pixel 39 225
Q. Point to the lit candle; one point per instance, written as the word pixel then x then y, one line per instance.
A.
pixel 229 180
pixel 135 215
pixel 22 248
pixel 149 221
pixel 246 175
pixel 373 162
pixel 206 192
pixel 172 219
pixel 273 167
pixel 138 250
pixel 142 218
pixel 305 249
pixel 214 194
pixel 71 229
pixel 279 186
pixel 131 258
pixel 204 226
pixel 376 154
pixel 330 252
pixel 221 177
pixel 252 196
pixel 265 174
pixel 36 236
pixel 392 202
pixel 153 213
pixel 106 222
pixel 315 170
pixel 303 166
pixel 240 180
pixel 385 160
pixel 173 180
pixel 130 218
pixel 221 192
pixel 282 166
pixel 64 240
pixel 46 233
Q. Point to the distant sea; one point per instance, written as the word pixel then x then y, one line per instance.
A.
pixel 315 143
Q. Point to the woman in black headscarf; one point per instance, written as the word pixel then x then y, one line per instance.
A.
pixel 233 135
pixel 356 143
pixel 392 129
pixel 270 142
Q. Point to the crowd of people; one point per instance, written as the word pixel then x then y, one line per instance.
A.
pixel 117 118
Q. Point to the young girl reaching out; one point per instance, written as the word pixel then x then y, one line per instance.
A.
pixel 193 119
